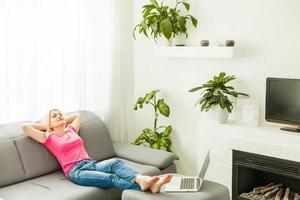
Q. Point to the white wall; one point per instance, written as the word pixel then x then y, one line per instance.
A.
pixel 266 31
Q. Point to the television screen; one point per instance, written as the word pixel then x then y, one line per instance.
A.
pixel 283 100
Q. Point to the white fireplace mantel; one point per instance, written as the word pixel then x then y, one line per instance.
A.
pixel 220 139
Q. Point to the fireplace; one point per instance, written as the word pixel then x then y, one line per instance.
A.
pixel 252 171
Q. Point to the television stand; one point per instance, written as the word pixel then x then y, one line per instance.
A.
pixel 291 129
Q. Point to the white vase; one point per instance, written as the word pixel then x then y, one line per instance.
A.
pixel 179 40
pixel 218 114
pixel 165 42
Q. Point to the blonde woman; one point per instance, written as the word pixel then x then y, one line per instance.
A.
pixel 60 136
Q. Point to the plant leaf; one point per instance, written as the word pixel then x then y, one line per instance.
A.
pixel 228 79
pixel 222 103
pixel 139 103
pixel 229 87
pixel 155 145
pixel 154 2
pixel 195 89
pixel 163 108
pixel 141 139
pixel 182 24
pixel 148 97
pixel 166 27
pixel 222 75
pixel 247 95
pixel 166 142
pixel 167 131
pixel 228 107
pixel 149 7
pixel 186 5
pixel 194 21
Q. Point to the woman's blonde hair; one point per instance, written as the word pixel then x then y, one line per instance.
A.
pixel 47 118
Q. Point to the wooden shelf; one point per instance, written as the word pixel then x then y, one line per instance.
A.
pixel 196 52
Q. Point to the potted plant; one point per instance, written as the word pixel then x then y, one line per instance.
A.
pixel 160 20
pixel 156 137
pixel 215 99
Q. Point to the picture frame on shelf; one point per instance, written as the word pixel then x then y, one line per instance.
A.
pixel 247 111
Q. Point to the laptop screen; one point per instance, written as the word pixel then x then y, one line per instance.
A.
pixel 205 165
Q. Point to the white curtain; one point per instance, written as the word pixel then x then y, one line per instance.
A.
pixel 60 54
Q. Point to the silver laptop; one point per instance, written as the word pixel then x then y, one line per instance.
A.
pixel 188 183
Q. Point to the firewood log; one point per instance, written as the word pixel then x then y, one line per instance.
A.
pixel 270 193
pixel 247 195
pixel 279 194
pixel 261 198
pixel 270 184
pixel 258 197
pixel 250 196
pixel 258 189
pixel 292 195
pixel 297 196
pixel 271 188
pixel 287 193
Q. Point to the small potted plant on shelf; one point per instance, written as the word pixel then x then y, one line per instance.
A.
pixel 161 21
pixel 214 99
pixel 158 136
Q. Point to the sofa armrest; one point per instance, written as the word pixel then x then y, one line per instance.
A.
pixel 158 158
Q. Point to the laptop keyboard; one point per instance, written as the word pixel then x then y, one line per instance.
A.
pixel 187 183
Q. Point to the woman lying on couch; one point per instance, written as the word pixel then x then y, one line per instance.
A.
pixel 61 137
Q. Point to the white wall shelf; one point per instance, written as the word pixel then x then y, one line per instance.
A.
pixel 196 52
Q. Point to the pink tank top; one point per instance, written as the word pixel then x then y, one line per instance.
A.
pixel 68 150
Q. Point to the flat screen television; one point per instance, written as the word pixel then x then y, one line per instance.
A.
pixel 283 102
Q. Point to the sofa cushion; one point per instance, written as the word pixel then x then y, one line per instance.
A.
pixel 96 137
pixel 58 184
pixel 55 186
pixel 158 158
pixel 61 188
pixel 11 168
pixel 170 169
pixel 36 159
pixel 142 169
pixel 23 190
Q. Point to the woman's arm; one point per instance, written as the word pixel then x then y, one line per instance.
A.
pixel 74 121
pixel 35 131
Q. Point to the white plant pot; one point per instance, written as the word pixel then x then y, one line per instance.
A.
pixel 179 40
pixel 164 42
pixel 217 114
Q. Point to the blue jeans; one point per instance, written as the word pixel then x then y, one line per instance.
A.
pixel 104 174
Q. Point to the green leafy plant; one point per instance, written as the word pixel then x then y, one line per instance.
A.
pixel 158 137
pixel 216 93
pixel 161 20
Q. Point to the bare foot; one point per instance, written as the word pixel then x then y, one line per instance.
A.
pixel 146 181
pixel 155 188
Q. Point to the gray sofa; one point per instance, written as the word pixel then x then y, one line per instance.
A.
pixel 29 171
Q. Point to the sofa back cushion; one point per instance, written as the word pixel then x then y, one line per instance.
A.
pixel 22 158
pixel 11 168
pixel 36 159
pixel 97 140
